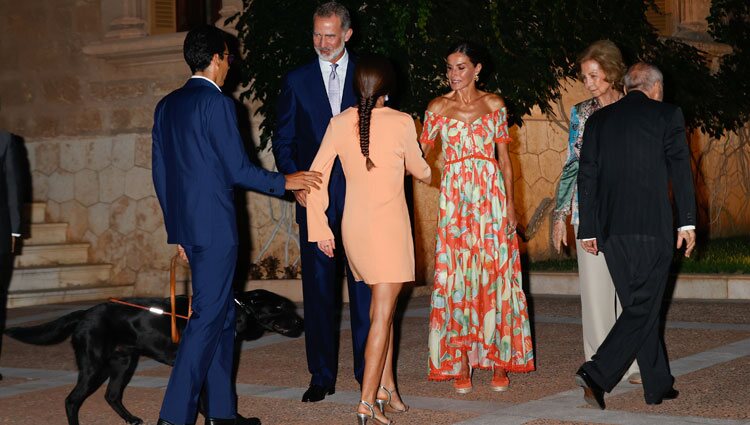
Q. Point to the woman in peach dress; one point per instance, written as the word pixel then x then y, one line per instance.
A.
pixel 478 315
pixel 376 145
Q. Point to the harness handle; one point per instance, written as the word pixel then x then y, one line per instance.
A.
pixel 172 287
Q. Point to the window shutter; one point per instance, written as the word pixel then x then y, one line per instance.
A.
pixel 163 17
pixel 661 19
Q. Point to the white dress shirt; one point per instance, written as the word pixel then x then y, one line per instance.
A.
pixel 209 80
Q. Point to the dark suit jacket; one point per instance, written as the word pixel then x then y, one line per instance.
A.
pixel 197 159
pixel 10 190
pixel 302 119
pixel 631 150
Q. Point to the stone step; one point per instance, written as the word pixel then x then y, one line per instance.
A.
pixel 35 212
pixel 69 276
pixel 64 295
pixel 47 233
pixel 52 254
pixel 686 286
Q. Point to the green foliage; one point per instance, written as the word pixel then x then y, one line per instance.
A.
pixel 255 272
pixel 532 44
pixel 726 256
pixel 291 272
pixel 728 23
pixel 270 265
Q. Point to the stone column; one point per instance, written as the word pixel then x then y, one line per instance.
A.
pixel 692 20
pixel 693 30
pixel 132 23
pixel 228 9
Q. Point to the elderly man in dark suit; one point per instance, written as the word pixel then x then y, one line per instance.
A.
pixel 198 158
pixel 310 96
pixel 631 151
pixel 10 215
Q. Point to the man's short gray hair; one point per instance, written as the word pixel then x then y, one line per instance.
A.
pixel 642 76
pixel 331 8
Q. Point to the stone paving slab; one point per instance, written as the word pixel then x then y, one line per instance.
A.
pixel 710 357
pixel 701 393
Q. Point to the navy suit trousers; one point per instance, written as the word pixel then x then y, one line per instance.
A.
pixel 205 356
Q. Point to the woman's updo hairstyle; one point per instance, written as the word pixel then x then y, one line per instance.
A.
pixel 474 52
pixel 609 58
pixel 373 77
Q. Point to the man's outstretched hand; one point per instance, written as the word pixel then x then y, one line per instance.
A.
pixel 303 180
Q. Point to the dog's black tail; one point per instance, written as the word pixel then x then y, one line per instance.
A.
pixel 49 333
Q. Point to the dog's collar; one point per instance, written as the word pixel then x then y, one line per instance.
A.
pixel 260 318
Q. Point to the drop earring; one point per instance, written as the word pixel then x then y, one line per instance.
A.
pixel 476 77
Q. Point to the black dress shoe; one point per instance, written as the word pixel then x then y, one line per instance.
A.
pixel 317 393
pixel 239 420
pixel 215 421
pixel 592 393
pixel 163 422
pixel 670 394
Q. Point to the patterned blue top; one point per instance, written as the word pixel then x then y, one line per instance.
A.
pixel 566 200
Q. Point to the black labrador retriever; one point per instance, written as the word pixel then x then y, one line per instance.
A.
pixel 109 338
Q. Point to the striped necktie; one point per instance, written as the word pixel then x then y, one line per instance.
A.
pixel 334 89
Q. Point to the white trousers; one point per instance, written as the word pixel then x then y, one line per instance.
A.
pixel 599 304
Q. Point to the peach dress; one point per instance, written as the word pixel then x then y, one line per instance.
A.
pixel 375 228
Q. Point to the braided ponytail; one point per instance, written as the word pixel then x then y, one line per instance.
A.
pixel 373 78
pixel 366 104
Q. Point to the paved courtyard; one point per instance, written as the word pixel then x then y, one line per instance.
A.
pixel 708 345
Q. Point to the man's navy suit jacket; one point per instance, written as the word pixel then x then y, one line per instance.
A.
pixel 303 113
pixel 197 159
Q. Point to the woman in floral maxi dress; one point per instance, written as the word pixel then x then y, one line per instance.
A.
pixel 478 317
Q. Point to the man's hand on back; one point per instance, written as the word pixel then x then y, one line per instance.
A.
pixel 303 180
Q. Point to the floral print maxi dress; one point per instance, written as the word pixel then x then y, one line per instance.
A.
pixel 478 305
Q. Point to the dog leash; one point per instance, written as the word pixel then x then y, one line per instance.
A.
pixel 172 298
pixel 154 310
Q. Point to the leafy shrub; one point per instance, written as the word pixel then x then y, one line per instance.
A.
pixel 532 46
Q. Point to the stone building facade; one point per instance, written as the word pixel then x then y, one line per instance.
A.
pixel 79 84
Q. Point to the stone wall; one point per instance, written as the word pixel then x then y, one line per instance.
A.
pixel 86 125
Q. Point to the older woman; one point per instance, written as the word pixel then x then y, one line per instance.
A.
pixel 601 69
pixel 478 317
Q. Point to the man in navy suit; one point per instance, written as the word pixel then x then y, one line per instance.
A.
pixel 197 159
pixel 10 215
pixel 310 96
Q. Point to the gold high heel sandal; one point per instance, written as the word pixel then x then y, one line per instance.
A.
pixel 363 417
pixel 383 404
